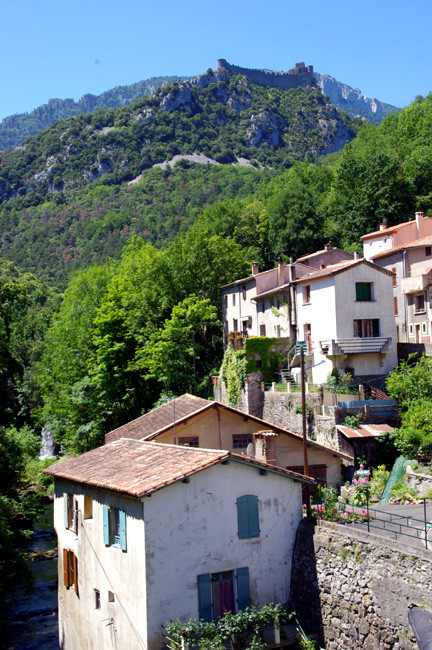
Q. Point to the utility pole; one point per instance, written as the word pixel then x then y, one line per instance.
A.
pixel 304 429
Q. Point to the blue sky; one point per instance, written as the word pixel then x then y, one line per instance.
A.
pixel 66 48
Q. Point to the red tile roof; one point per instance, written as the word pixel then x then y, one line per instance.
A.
pixel 414 243
pixel 159 418
pixel 365 431
pixel 340 268
pixel 137 468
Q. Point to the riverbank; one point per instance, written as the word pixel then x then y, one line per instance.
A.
pixel 30 621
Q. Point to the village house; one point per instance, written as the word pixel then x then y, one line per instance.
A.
pixel 345 321
pixel 149 532
pixel 406 250
pixel 197 422
pixel 263 304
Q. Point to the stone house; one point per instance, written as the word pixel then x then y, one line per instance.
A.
pixel 149 532
pixel 345 320
pixel 406 250
pixel 197 422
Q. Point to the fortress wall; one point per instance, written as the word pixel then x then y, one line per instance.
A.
pixel 292 79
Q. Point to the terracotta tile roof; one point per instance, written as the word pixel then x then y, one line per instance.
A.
pixel 414 243
pixel 365 431
pixel 391 229
pixel 160 418
pixel 137 468
pixel 320 252
pixel 340 268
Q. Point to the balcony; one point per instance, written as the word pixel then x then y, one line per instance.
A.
pixel 367 345
pixel 415 283
pixel 307 350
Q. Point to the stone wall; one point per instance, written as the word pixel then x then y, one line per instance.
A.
pixel 280 408
pixel 301 76
pixel 353 589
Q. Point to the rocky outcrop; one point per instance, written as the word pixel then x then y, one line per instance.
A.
pixel 266 129
pixel 180 96
pixel 352 100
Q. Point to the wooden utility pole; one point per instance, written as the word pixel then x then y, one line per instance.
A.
pixel 304 430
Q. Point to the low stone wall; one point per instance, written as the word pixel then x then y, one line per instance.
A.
pixel 353 589
pixel 420 482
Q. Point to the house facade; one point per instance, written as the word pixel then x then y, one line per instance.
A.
pixel 149 532
pixel 345 320
pixel 406 250
pixel 195 422
pixel 264 304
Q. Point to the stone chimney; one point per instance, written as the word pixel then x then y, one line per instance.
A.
pixel 328 247
pixel 255 268
pixel 281 272
pixel 265 446
pixel 419 224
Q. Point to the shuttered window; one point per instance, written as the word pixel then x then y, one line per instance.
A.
pixel 216 592
pixel 243 591
pixel 70 512
pixel 363 291
pixel 114 527
pixel 70 569
pixel 248 516
pixel 204 597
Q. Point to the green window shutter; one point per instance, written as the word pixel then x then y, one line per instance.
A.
pixel 204 597
pixel 65 506
pixel 253 516
pixel 243 592
pixel 363 291
pixel 122 514
pixel 248 516
pixel 106 535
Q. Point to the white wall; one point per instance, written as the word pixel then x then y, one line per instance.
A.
pixel 191 529
pixel 121 624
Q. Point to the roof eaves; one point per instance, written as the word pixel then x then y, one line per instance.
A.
pixel 185 418
pixel 272 468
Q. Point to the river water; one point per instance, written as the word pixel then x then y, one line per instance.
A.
pixel 30 622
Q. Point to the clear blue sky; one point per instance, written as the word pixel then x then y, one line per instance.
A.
pixel 66 48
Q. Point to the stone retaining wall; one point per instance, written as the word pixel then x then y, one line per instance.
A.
pixel 353 589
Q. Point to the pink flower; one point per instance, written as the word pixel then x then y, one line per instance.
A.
pixel 362 466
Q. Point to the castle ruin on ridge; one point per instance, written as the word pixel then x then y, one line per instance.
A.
pixel 301 75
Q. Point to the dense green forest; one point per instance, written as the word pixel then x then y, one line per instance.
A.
pixel 14 129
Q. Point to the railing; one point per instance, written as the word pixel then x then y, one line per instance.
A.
pixel 389 524
pixel 291 387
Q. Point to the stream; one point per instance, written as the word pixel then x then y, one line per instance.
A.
pixel 30 622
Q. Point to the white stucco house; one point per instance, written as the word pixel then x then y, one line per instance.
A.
pixel 149 532
pixel 345 320
pixel 406 250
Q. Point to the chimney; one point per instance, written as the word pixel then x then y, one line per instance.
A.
pixel 419 223
pixel 281 268
pixel 328 247
pixel 383 225
pixel 265 446
pixel 255 268
pixel 356 255
pixel 322 266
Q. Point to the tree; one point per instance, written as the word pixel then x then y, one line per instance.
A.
pixel 410 381
pixel 183 353
pixel 414 437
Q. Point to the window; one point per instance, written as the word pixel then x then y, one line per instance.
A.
pixel 395 306
pixel 411 330
pixel 241 440
pixel 262 330
pixel 114 527
pixel 394 277
pixel 244 292
pixel 306 294
pixel 97 599
pixel 248 516
pixel 88 507
pixel 419 302
pixel 70 569
pixel 189 441
pixel 364 291
pixel 226 301
pixel 428 251
pixel 367 327
pixel 222 592
pixel 71 512
pixel 233 299
pixel 263 304
pixel 235 325
pixel 424 328
pixel 111 597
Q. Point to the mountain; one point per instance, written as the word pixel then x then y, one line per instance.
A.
pixel 352 100
pixel 16 128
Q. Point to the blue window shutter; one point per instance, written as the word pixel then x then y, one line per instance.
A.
pixel 122 514
pixel 248 516
pixel 66 514
pixel 253 516
pixel 204 597
pixel 242 517
pixel 106 534
pixel 243 593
